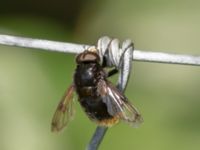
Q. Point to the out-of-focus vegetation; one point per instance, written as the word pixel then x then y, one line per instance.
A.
pixel 32 82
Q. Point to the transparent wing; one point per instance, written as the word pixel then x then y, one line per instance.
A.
pixel 118 104
pixel 64 111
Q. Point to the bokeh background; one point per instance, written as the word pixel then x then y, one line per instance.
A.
pixel 33 81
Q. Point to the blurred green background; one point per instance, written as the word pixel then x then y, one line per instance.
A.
pixel 33 81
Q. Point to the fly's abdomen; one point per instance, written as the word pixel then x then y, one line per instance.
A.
pixel 97 111
pixel 95 108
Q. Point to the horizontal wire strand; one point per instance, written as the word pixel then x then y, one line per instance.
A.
pixel 65 47
pixel 55 46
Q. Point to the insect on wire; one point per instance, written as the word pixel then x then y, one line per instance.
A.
pixel 121 58
pixel 102 102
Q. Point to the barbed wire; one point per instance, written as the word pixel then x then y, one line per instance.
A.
pixel 56 46
pixel 112 53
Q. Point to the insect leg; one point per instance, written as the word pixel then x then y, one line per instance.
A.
pixel 112 72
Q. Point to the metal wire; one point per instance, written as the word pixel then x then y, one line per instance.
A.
pixel 78 48
pixel 121 58
pixel 125 65
pixel 97 138
pixel 114 57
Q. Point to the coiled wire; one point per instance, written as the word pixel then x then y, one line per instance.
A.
pixel 112 55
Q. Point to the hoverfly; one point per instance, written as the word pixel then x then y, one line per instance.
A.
pixel 100 99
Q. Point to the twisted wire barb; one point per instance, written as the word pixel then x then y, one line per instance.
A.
pixel 78 48
pixel 119 57
pixel 111 54
pixel 125 67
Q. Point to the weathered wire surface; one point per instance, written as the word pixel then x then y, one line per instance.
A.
pixel 77 48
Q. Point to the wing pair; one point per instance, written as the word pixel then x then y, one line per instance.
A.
pixel 116 102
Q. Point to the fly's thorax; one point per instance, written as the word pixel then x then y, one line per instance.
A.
pixel 88 74
pixel 84 75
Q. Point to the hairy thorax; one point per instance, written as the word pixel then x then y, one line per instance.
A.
pixel 86 78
